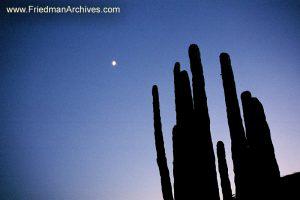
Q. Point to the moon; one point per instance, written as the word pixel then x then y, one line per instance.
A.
pixel 113 63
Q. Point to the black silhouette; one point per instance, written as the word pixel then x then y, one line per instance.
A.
pixel 255 165
pixel 192 146
pixel 239 149
pixel 265 172
pixel 223 171
pixel 257 174
pixel 289 186
pixel 160 149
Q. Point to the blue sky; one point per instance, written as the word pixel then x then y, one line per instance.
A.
pixel 74 127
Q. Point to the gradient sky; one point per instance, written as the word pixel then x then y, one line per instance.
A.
pixel 74 127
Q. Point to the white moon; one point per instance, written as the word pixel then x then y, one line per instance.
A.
pixel 114 63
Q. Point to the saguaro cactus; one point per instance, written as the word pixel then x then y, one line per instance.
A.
pixel 239 149
pixel 194 162
pixel 183 167
pixel 259 137
pixel 202 140
pixel 160 149
pixel 262 156
pixel 255 167
pixel 223 171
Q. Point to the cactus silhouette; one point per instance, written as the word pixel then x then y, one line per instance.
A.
pixel 259 137
pixel 264 165
pixel 256 172
pixel 192 146
pixel 159 143
pixel 239 150
pixel 223 171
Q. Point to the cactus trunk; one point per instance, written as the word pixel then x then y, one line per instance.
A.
pixel 160 149
pixel 223 171
pixel 239 149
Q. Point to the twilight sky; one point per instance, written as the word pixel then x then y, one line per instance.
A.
pixel 74 127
